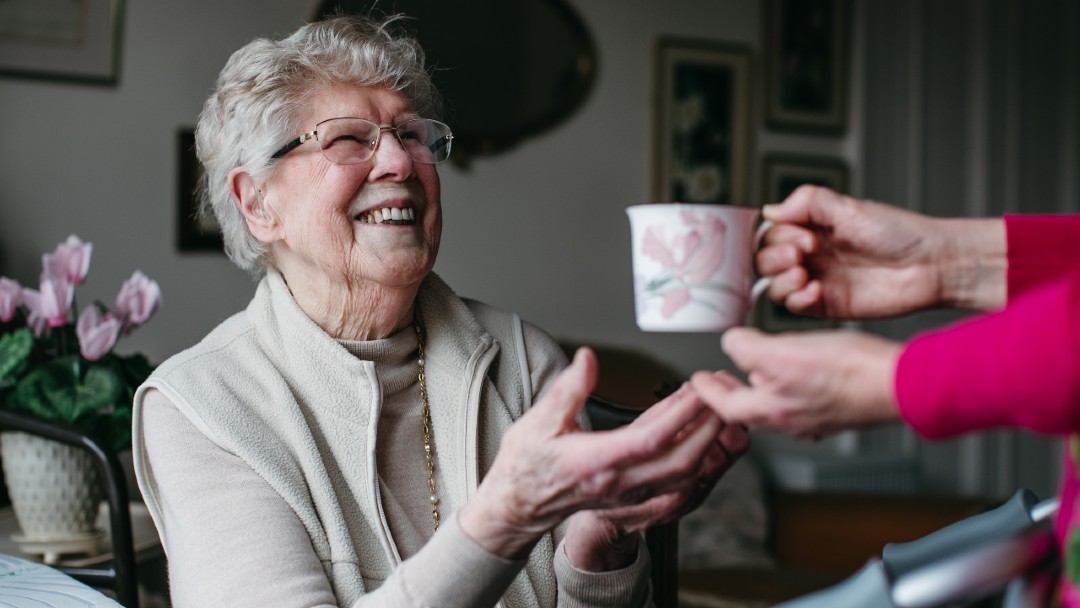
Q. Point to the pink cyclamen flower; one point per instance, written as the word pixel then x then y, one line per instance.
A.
pixel 10 298
pixel 51 304
pixel 35 319
pixel 137 301
pixel 97 335
pixel 70 260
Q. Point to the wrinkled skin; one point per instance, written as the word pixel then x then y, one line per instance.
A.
pixel 837 257
pixel 618 482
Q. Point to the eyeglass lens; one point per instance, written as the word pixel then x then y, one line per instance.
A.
pixel 348 141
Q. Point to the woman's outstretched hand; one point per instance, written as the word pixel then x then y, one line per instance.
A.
pixel 603 539
pixel 549 468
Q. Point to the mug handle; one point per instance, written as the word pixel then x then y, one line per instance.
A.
pixel 762 284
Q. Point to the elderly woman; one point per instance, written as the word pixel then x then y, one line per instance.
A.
pixel 359 435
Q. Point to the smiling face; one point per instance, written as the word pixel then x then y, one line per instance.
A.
pixel 326 224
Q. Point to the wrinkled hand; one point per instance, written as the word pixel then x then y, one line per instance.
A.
pixel 548 468
pixel 599 540
pixel 805 384
pixel 834 256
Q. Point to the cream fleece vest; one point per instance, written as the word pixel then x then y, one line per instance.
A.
pixel 271 387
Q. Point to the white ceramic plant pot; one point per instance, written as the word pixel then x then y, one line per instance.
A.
pixel 55 491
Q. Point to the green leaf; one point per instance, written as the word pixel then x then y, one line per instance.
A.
pixel 120 428
pixel 101 388
pixel 136 369
pixel 56 392
pixel 15 349
pixel 95 396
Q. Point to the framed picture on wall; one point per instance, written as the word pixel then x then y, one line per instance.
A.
pixel 783 174
pixel 194 233
pixel 807 64
pixel 74 40
pixel 701 122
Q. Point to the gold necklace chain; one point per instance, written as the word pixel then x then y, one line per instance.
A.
pixel 425 413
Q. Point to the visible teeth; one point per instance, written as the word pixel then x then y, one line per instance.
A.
pixel 387 214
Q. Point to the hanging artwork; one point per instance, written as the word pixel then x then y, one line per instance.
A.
pixel 806 64
pixel 194 232
pixel 701 122
pixel 73 40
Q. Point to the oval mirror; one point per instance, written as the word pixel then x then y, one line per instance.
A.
pixel 507 69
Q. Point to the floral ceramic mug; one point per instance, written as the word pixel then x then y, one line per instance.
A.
pixel 693 264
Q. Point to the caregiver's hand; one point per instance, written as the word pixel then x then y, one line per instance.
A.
pixel 835 256
pixel 805 384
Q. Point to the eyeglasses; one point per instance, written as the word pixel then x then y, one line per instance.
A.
pixel 347 141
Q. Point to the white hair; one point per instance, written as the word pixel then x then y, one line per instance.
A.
pixel 253 109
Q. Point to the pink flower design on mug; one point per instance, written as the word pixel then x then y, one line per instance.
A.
pixel 690 258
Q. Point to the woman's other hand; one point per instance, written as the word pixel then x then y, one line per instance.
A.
pixel 805 384
pixel 604 539
pixel 838 257
pixel 548 468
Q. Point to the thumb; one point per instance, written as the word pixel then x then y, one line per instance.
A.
pixel 807 205
pixel 567 395
pixel 746 346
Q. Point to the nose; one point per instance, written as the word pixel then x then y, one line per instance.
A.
pixel 390 160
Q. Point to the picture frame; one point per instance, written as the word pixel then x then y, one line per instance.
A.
pixel 782 174
pixel 701 122
pixel 68 40
pixel 806 48
pixel 194 233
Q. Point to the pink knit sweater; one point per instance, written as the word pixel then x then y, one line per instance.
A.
pixel 1018 367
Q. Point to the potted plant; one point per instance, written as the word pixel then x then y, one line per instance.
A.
pixel 58 363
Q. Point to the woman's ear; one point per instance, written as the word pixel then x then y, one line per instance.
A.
pixel 260 217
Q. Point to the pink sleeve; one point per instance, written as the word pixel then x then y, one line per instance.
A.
pixel 1017 367
pixel 1041 248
